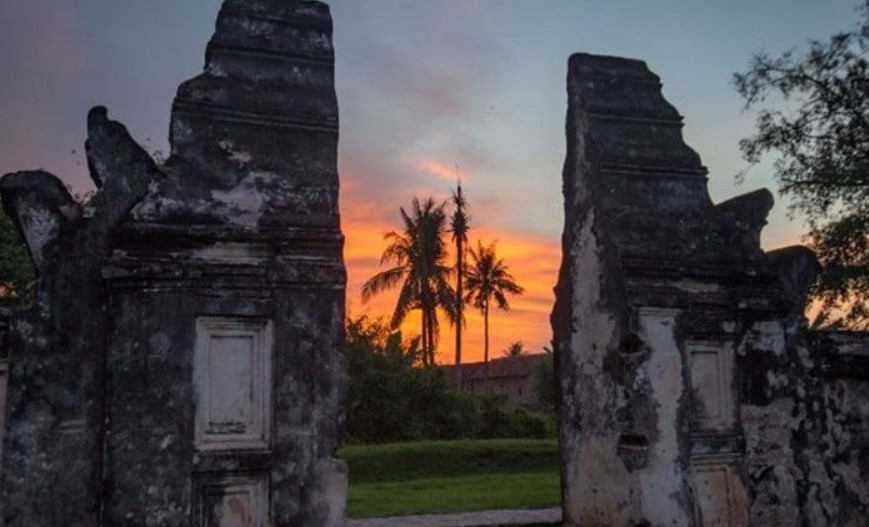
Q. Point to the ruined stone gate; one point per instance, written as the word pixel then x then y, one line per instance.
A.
pixel 180 364
pixel 692 392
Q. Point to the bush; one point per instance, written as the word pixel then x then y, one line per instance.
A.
pixel 391 397
pixel 500 420
pixel 543 382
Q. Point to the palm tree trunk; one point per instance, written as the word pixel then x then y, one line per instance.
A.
pixel 428 337
pixel 431 326
pixel 459 310
pixel 428 328
pixel 424 335
pixel 486 346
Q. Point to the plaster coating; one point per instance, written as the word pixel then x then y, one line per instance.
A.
pixel 692 392
pixel 180 364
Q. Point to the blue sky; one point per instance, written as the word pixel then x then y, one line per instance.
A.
pixel 422 86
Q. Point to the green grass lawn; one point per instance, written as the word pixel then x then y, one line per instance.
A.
pixel 451 476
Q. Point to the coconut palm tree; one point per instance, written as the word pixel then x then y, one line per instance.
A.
pixel 418 255
pixel 459 226
pixel 487 279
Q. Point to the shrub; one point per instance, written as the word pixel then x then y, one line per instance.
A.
pixel 500 420
pixel 391 397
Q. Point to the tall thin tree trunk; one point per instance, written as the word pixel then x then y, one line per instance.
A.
pixel 428 338
pixel 424 335
pixel 433 336
pixel 486 346
pixel 460 310
pixel 428 352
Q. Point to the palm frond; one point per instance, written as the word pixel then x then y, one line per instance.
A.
pixel 405 302
pixel 382 281
pixel 488 278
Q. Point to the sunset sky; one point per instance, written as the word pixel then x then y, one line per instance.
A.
pixel 422 86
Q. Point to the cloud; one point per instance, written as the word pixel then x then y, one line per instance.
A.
pixel 440 170
pixel 402 105
pixel 409 113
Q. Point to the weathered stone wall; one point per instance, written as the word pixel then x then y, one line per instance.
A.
pixel 692 392
pixel 5 316
pixel 181 362
pixel 844 425
pixel 804 412
pixel 55 414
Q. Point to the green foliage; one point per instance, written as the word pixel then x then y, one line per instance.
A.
pixel 448 459
pixel 543 381
pixel 392 397
pixel 389 398
pixel 497 419
pixel 16 268
pixel 528 490
pixel 813 114
pixel 451 476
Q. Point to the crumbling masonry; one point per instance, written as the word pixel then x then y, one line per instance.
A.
pixel 692 393
pixel 180 364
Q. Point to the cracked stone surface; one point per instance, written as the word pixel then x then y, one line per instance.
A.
pixel 692 392
pixel 180 364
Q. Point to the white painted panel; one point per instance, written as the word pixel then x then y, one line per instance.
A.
pixel 711 374
pixel 230 361
pixel 232 375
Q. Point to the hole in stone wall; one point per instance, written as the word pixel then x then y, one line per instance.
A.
pixel 632 344
pixel 633 450
pixel 633 441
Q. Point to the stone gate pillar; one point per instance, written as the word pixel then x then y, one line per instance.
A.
pixel 659 295
pixel 181 364
pixel 227 291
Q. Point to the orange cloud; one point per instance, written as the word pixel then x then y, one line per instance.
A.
pixel 442 171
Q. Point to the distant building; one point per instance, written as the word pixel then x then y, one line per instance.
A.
pixel 508 375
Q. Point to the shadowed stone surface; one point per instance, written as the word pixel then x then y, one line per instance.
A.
pixel 55 413
pixel 181 364
pixel 692 392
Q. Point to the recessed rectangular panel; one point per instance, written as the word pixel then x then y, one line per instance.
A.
pixel 231 501
pixel 712 486
pixel 230 361
pixel 710 380
pixel 706 376
pixel 232 374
